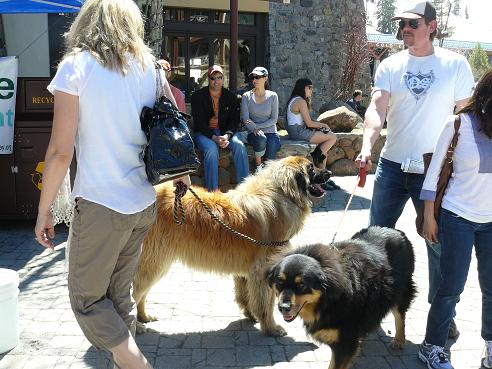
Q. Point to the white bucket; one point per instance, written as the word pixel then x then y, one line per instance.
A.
pixel 9 291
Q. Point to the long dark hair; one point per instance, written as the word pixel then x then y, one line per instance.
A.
pixel 300 90
pixel 480 104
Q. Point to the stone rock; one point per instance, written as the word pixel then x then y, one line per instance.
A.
pixel 334 154
pixel 293 147
pixel 357 143
pixel 344 142
pixel 333 104
pixel 340 119
pixel 225 158
pixel 350 153
pixel 281 123
pixel 344 167
pixel 225 177
pixel 377 147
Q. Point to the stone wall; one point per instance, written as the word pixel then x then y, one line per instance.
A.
pixel 305 39
pixel 340 157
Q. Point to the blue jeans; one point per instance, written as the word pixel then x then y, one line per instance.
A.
pixel 267 144
pixel 392 189
pixel 458 236
pixel 211 159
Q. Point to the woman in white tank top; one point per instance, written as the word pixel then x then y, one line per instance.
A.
pixel 301 127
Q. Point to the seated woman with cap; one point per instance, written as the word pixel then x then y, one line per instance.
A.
pixel 259 108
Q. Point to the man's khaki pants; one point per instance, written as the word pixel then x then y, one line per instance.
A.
pixel 104 250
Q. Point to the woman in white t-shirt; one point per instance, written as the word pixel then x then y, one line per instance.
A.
pixel 100 88
pixel 465 220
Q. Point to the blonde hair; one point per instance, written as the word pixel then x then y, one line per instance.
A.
pixel 108 29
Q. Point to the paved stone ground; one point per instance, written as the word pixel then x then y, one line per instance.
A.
pixel 200 325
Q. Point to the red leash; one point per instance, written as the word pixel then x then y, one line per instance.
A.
pixel 361 181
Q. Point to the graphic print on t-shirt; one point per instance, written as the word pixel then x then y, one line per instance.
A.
pixel 419 83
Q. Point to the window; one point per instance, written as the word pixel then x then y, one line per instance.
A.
pixel 247 19
pixel 174 15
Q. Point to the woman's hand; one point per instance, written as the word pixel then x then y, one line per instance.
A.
pixel 430 229
pixel 185 179
pixel 44 230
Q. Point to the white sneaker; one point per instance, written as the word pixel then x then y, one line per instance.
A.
pixel 434 356
pixel 487 360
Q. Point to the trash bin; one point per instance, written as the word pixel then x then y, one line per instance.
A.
pixel 9 292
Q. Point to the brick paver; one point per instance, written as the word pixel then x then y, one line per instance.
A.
pixel 199 323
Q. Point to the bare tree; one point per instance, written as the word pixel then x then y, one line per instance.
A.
pixel 356 56
pixel 443 10
pixel 153 13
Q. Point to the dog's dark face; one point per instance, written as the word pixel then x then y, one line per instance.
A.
pixel 316 177
pixel 299 284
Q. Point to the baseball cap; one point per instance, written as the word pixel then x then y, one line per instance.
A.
pixel 259 71
pixel 423 9
pixel 214 68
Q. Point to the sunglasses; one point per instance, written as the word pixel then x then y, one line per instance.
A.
pixel 255 77
pixel 218 78
pixel 412 23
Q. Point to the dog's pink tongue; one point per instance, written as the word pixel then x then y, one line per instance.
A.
pixel 288 318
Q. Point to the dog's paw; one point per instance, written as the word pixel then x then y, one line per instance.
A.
pixel 276 331
pixel 146 318
pixel 141 328
pixel 397 344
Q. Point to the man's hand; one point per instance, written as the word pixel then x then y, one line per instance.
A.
pixel 185 179
pixel 221 141
pixel 224 141
pixel 363 160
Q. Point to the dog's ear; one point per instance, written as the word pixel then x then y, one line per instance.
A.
pixel 294 183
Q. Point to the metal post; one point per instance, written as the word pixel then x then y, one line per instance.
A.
pixel 233 43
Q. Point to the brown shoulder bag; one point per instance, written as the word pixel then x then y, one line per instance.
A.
pixel 442 183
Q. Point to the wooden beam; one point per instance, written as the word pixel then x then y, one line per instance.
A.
pixel 233 43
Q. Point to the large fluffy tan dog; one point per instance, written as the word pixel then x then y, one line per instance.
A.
pixel 269 206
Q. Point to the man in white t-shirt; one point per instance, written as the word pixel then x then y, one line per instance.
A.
pixel 415 90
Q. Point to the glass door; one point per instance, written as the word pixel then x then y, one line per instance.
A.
pixel 191 55
pixel 175 48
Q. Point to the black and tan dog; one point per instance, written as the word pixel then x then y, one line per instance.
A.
pixel 343 291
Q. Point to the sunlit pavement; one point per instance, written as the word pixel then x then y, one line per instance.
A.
pixel 199 323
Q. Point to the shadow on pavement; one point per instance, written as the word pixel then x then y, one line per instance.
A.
pixel 239 345
pixel 17 243
pixel 337 200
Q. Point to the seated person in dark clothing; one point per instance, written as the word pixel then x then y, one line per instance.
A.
pixel 356 103
pixel 215 112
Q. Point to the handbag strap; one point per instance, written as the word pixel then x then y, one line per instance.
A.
pixel 454 141
pixel 158 81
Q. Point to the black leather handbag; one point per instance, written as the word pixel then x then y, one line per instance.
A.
pixel 170 152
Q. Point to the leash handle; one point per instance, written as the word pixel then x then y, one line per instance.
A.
pixel 362 176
